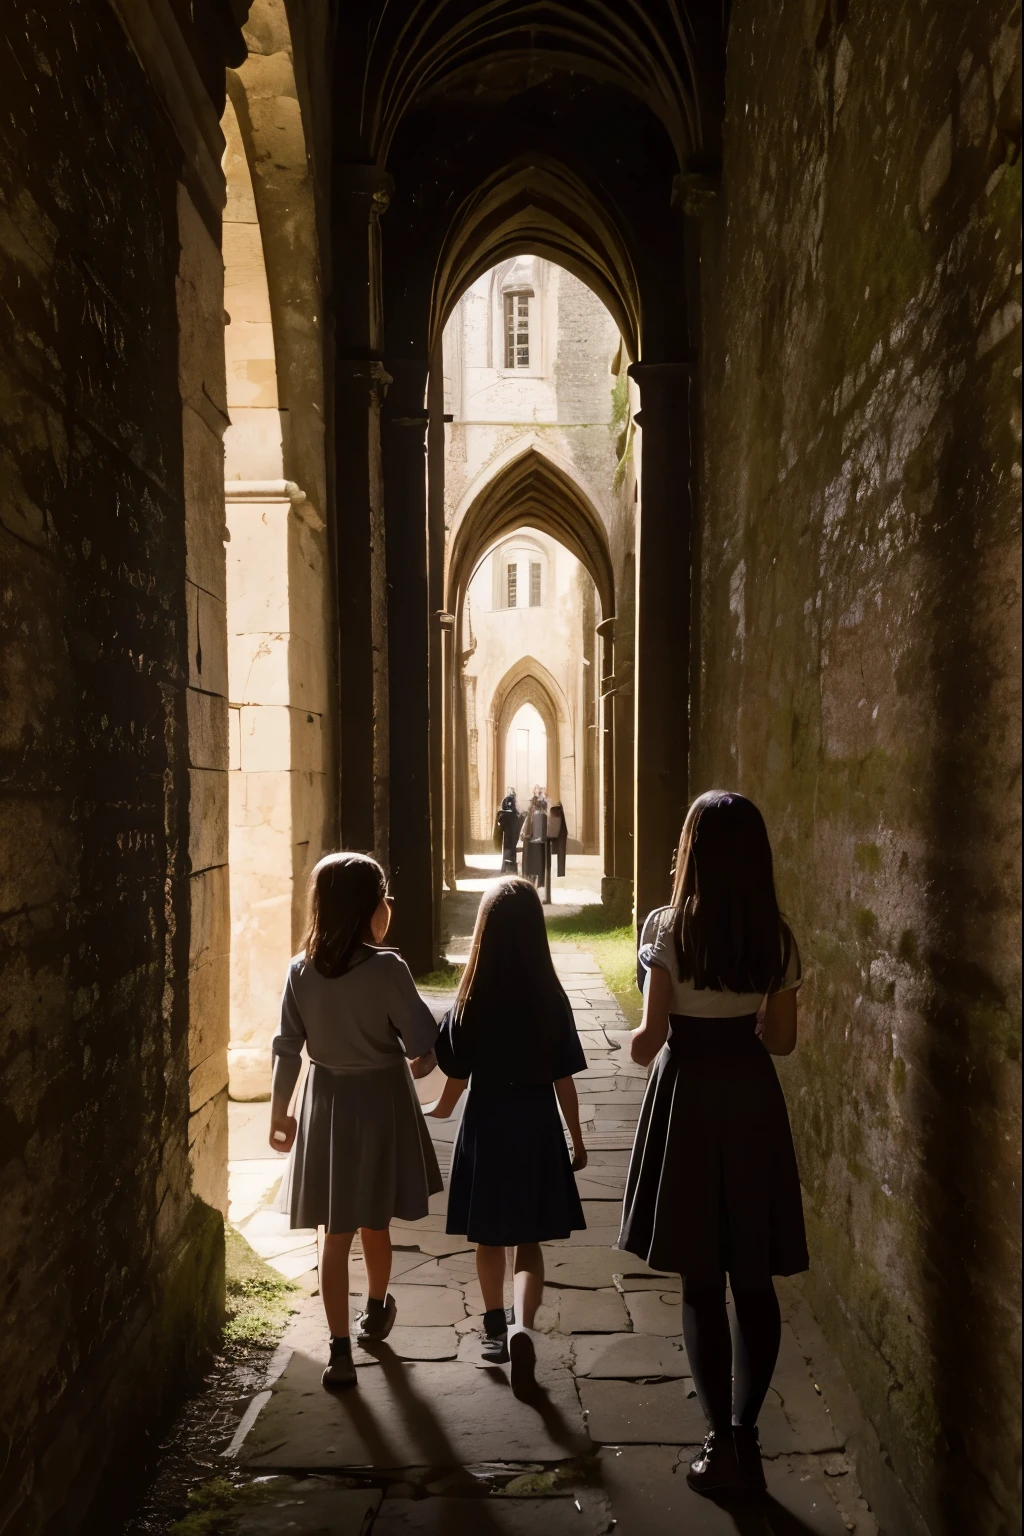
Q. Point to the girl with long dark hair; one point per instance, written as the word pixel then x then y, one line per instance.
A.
pixel 512 1031
pixel 713 1188
pixel 362 1154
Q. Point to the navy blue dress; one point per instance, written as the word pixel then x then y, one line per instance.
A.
pixel 511 1179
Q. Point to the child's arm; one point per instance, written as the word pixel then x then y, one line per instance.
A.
pixel 287 1059
pixel 778 1031
pixel 569 1104
pixel 451 1093
pixel 653 1031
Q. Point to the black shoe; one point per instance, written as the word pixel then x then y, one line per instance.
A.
pixel 372 1327
pixel 341 1372
pixel 494 1339
pixel 748 1458
pixel 715 1469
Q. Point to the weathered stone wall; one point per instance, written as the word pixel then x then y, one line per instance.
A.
pixel 859 675
pixel 111 1268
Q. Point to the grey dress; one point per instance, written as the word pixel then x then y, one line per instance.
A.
pixel 362 1153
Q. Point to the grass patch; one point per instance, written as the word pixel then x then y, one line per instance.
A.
pixel 215 1507
pixel 445 979
pixel 259 1300
pixel 612 946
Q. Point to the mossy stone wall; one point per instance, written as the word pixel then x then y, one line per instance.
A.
pixel 858 676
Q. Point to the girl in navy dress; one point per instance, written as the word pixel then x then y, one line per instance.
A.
pixel 512 1032
pixel 713 1187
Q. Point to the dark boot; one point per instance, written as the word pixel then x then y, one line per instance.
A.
pixel 748 1458
pixel 715 1469
pixel 494 1339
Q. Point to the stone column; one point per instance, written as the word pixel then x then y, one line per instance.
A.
pixel 278 695
pixel 617 770
pixel 435 605
pixel 403 442
pixel 361 195
pixel 662 657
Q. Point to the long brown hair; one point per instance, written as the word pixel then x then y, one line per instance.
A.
pixel 729 933
pixel 345 890
pixel 509 959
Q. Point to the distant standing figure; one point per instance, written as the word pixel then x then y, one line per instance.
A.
pixel 535 833
pixel 362 1154
pixel 508 825
pixel 713 1187
pixel 512 1031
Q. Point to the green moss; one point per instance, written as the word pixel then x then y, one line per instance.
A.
pixel 215 1508
pixel 259 1300
pixel 868 857
pixel 532 1485
pixel 891 262
pixel 445 979
pixel 899 1076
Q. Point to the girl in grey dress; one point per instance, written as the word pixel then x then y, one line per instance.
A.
pixel 361 1154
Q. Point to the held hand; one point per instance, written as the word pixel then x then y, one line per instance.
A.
pixel 422 1066
pixel 580 1159
pixel 282 1133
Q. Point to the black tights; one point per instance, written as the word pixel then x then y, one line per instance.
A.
pixel 752 1349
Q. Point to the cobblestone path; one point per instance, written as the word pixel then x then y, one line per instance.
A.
pixel 430 1442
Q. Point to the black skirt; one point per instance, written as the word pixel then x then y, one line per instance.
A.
pixel 512 1181
pixel 713 1185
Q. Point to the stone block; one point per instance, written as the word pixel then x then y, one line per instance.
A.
pixel 257 563
pixel 38 853
pixel 207 818
pixel 200 305
pixel 208 1007
pixel 207 641
pixel 250 1072
pixel 429 1306
pixel 210 925
pixel 266 739
pixel 800 1491
pixel 584 1311
pixel 409 1342
pixel 304 1507
pixel 208 1152
pixel 204 505
pixel 206 1079
pixel 261 802
pixel 207 730
pixel 253 444
pixel 259 664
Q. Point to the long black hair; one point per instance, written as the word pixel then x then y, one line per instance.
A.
pixel 510 971
pixel 729 933
pixel 345 890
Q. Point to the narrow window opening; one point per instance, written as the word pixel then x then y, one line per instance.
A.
pixel 534 583
pixel 517 330
pixel 511 584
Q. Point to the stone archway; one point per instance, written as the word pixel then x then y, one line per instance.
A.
pixel 279 608
pixel 529 682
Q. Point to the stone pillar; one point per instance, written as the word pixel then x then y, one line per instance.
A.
pixel 435 606
pixel 617 773
pixel 361 195
pixel 200 290
pixel 662 727
pixel 278 693
pixel 403 442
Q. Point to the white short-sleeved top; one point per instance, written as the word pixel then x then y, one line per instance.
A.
pixel 706 1002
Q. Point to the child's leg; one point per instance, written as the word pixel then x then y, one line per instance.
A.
pixel 528 1282
pixel 757 1330
pixel 334 1282
pixel 490 1269
pixel 377 1258
pixel 709 1352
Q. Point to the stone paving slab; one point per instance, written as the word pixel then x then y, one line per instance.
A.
pixel 579 1311
pixel 655 1312
pixel 590 1267
pixel 435 1415
pixel 803 1497
pixel 413 1343
pixel 628 1357
pixel 642 1413
pixel 428 1305
pixel 494 1516
pixel 309 1507
pixel 650 1496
